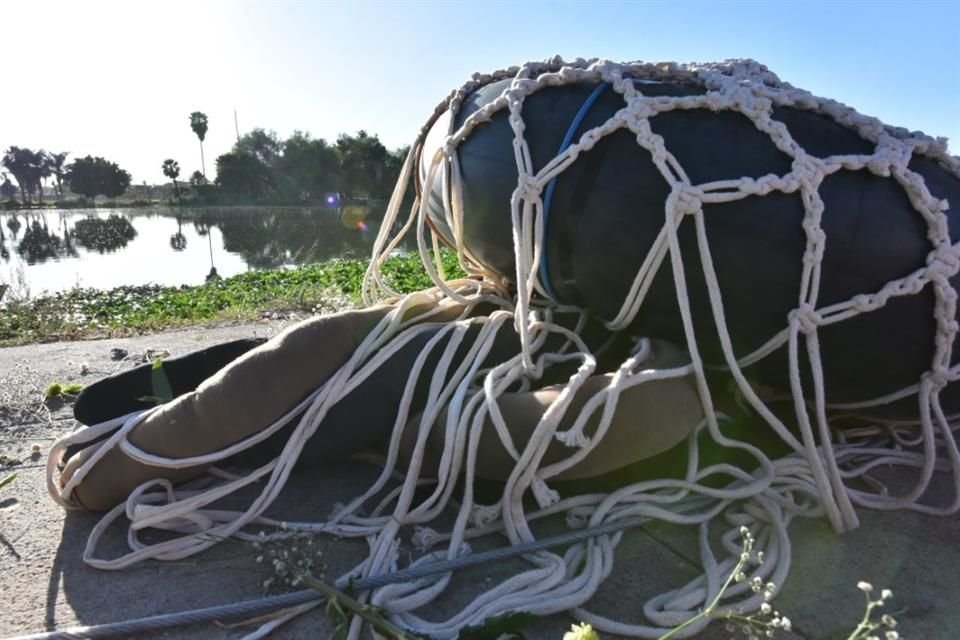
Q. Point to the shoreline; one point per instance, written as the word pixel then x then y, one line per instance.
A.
pixel 84 314
pixel 78 204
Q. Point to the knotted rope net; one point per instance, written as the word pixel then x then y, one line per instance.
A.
pixel 814 479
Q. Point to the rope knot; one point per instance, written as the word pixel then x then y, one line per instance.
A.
pixel 813 257
pixel 449 147
pixel 761 186
pixel 528 188
pixel 943 262
pixel 808 168
pixel 544 495
pixel 484 514
pixel 879 165
pixel 424 538
pixel 571 438
pixel 940 377
pixel 807 317
pixel 716 101
pixel 639 108
pixel 862 303
pixel 688 201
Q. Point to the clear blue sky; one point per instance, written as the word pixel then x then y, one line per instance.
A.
pixel 119 80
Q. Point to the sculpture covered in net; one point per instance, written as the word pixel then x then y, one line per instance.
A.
pixel 812 480
pixel 822 462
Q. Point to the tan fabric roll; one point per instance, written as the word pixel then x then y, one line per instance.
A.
pixel 241 399
pixel 650 418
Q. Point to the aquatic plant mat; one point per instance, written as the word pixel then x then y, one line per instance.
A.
pixel 132 310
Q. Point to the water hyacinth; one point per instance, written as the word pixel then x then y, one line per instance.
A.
pixel 320 288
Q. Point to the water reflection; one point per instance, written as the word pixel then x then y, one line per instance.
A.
pixel 39 244
pixel 104 235
pixel 176 246
pixel 13 223
pixel 269 238
pixel 178 241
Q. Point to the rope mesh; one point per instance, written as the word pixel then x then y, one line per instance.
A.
pixel 813 480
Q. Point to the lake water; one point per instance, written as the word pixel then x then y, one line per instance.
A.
pixel 57 249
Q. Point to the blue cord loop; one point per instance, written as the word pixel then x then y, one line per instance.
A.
pixel 548 197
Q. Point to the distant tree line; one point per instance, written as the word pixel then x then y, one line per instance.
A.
pixel 262 168
pixel 87 176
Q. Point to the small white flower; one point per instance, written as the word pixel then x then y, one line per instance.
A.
pixel 581 632
pixel 886 594
pixel 892 635
pixel 785 623
pixel 765 608
pixel 740 576
pixel 864 586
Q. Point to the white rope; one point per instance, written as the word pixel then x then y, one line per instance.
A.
pixel 811 481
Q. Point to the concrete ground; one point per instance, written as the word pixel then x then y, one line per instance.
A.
pixel 45 585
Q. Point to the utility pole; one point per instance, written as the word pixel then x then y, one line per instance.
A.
pixel 235 126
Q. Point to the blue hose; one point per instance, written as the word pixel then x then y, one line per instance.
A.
pixel 548 197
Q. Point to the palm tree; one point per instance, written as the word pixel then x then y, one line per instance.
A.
pixel 42 168
pixel 171 169
pixel 7 190
pixel 17 161
pixel 56 164
pixel 29 168
pixel 198 122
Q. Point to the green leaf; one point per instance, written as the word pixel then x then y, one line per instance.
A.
pixel 161 385
pixel 10 478
pixel 53 391
pixel 506 626
pixel 335 611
